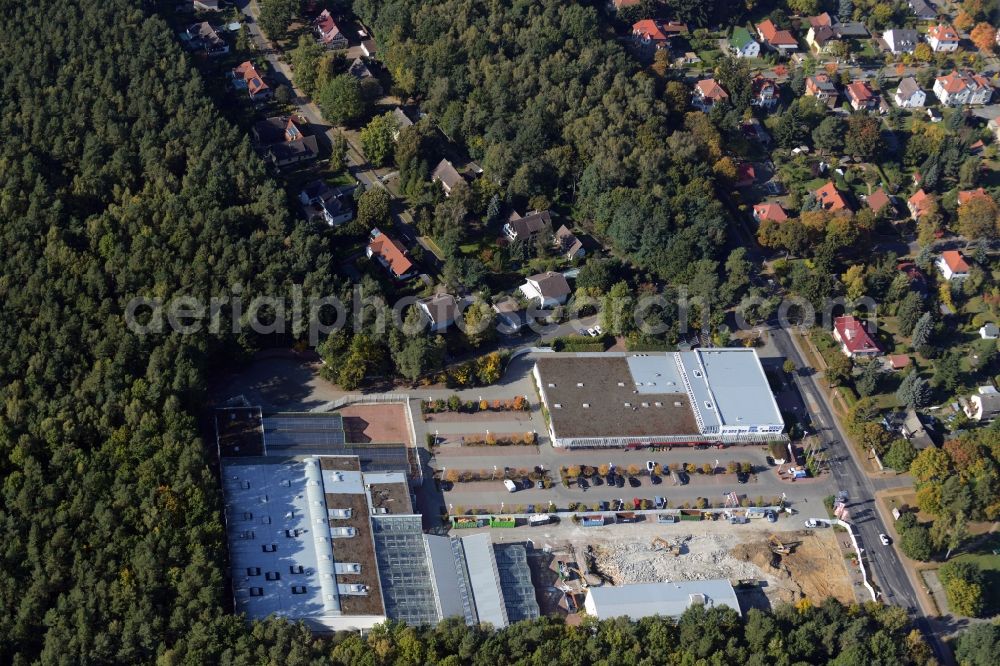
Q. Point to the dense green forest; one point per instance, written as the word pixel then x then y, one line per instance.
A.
pixel 117 178
pixel 544 99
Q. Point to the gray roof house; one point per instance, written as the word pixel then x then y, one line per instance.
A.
pixel 511 317
pixel 529 226
pixel 913 429
pixel 402 122
pixel 568 244
pixel 984 405
pixel 909 95
pixel 923 10
pixel 440 310
pixel 901 40
pixel 549 289
pixel 449 177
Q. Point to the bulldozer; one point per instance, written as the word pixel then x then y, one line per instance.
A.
pixel 659 543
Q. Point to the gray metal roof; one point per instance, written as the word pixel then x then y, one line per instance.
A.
pixel 668 599
pixel 454 597
pixel 481 564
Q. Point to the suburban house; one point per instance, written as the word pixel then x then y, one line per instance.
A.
pixel 283 142
pixel 989 331
pixel 402 122
pixel 822 87
pixel 746 175
pixel 391 254
pixel 913 429
pixel 781 41
pixel 203 37
pixel 527 227
pixel 568 244
pixel 707 93
pixel 328 33
pixel 922 10
pixel 359 70
pixel 909 95
pixel 952 265
pixel 984 405
pixel 742 43
pixel 956 89
pixel 205 5
pixel 898 361
pixel 320 201
pixel 246 77
pixel 446 174
pixel 819 38
pixel 942 38
pixel 854 339
pixel 647 33
pixel 769 211
pixel 878 200
pixel 916 203
pixel 511 317
pixel 765 92
pixel 440 310
pixel 821 20
pixel 549 289
pixel 369 48
pixel 967 195
pixel 830 199
pixel 901 40
pixel 861 96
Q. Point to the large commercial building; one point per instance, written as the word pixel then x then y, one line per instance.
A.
pixel 334 540
pixel 667 599
pixel 622 398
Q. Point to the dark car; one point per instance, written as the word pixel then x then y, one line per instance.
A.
pixel 655 480
pixel 770 461
pixel 582 483
pixel 610 478
pixel 528 484
pixel 604 506
pixel 634 482
pixel 620 481
pixel 683 478
pixel 447 485
pixel 597 480
pixel 742 477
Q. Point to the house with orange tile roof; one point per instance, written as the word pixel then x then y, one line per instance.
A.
pixel 647 33
pixel 861 96
pixel 246 77
pixel 942 38
pixel 781 41
pixel 952 265
pixel 769 211
pixel 878 200
pixel 707 93
pixel 966 195
pixel 957 89
pixel 917 203
pixel 391 254
pixel 830 199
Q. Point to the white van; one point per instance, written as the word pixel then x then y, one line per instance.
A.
pixel 509 485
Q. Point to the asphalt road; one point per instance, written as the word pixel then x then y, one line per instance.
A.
pixel 885 565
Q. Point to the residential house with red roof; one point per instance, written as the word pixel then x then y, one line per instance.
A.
pixel 878 200
pixel 781 41
pixel 952 265
pixel 391 254
pixel 830 199
pixel 765 92
pixel 966 195
pixel 854 339
pixel 246 77
pixel 328 33
pixel 942 38
pixel 647 33
pixel 821 20
pixel 957 89
pixel 917 203
pixel 861 96
pixel 769 211
pixel 707 93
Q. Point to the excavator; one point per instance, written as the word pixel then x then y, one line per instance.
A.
pixel 659 543
pixel 779 548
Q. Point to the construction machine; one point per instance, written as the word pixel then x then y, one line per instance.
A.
pixel 659 543
pixel 780 548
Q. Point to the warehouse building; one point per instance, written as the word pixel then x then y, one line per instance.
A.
pixel 666 599
pixel 621 398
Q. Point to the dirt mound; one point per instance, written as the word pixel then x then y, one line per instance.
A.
pixel 814 568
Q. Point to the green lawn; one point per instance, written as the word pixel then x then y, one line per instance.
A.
pixel 987 556
pixel 429 242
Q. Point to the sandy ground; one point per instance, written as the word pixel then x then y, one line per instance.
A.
pixel 815 569
pixel 384 423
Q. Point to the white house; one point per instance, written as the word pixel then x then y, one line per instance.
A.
pixel 989 331
pixel 549 289
pixel 320 201
pixel 952 265
pixel 900 40
pixel 943 38
pixel 742 43
pixel 956 89
pixel 909 95
pixel 984 405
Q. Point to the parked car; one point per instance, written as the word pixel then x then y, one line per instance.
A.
pixel 742 477
pixel 620 481
pixel 634 482
pixel 655 480
pixel 604 505
pixel 540 484
pixel 812 522
pixel 770 461
pixel 582 483
pixel 650 466
pixel 510 485
pixel 658 502
pixel 610 479
pixel 884 539
pixel 683 478
pixel 595 332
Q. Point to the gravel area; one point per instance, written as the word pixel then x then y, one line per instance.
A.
pixel 703 557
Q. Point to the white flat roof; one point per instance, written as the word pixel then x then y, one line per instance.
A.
pixel 734 383
pixel 668 599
